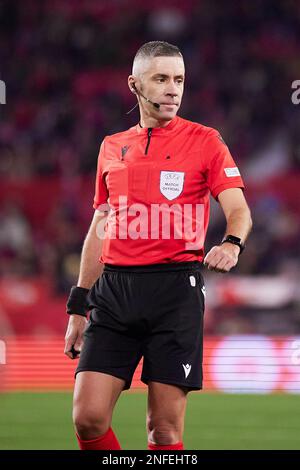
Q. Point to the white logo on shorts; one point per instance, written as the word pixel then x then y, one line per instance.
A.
pixel 192 281
pixel 187 369
pixel 171 183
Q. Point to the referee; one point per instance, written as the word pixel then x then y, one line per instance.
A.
pixel 141 263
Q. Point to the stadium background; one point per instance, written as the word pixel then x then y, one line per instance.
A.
pixel 65 65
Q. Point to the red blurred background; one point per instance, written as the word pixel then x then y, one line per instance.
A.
pixel 65 66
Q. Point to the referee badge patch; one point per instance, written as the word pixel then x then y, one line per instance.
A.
pixel 171 183
pixel 234 171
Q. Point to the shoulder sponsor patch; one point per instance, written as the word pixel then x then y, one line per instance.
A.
pixel 234 171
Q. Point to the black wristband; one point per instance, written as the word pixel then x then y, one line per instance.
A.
pixel 77 302
pixel 235 241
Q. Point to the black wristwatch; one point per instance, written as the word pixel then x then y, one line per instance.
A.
pixel 235 241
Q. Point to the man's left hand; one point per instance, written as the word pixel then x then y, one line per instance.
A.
pixel 222 258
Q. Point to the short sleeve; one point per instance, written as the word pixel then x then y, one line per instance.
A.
pixel 101 193
pixel 222 172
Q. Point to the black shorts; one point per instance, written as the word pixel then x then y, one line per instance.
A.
pixel 153 311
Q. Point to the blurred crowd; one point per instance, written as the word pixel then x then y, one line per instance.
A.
pixel 65 65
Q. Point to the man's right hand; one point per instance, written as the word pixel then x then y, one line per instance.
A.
pixel 74 335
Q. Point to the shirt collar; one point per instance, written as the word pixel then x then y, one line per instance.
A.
pixel 158 130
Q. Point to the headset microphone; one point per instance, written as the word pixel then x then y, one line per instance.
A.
pixel 156 105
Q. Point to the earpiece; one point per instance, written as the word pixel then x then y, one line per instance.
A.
pixel 138 93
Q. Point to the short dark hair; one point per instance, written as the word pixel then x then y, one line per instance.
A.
pixel 157 49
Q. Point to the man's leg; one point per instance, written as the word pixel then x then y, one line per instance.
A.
pixel 95 396
pixel 165 418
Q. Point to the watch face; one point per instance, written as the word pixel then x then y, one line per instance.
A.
pixel 234 239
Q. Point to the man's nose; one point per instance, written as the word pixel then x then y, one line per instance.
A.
pixel 171 89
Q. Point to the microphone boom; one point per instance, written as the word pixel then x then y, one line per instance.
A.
pixel 156 105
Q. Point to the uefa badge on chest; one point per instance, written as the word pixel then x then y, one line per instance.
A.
pixel 171 183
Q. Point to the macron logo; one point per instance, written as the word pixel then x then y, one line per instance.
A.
pixel 203 290
pixel 124 150
pixel 187 369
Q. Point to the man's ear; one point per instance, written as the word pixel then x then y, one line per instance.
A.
pixel 131 84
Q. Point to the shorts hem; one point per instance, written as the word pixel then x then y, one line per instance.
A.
pixel 127 384
pixel 191 387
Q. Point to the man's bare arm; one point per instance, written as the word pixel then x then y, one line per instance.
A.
pixel 90 267
pixel 237 213
pixel 90 271
pixel 223 258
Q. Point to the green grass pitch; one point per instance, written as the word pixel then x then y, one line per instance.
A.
pixel 213 421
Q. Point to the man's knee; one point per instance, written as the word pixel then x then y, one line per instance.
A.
pixel 163 433
pixel 89 424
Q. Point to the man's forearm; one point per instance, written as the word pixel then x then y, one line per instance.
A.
pixel 224 257
pixel 239 224
pixel 90 267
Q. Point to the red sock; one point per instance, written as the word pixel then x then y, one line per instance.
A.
pixel 178 446
pixel 106 442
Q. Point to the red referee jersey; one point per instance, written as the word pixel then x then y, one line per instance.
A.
pixel 156 184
